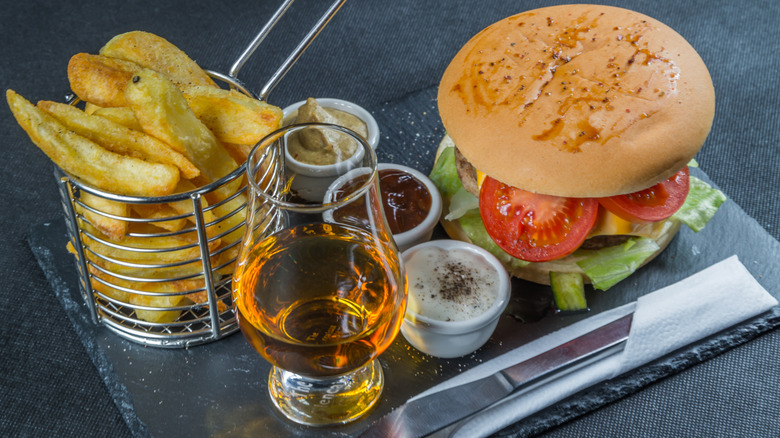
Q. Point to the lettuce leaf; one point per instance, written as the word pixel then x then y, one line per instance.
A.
pixel 700 205
pixel 464 207
pixel 607 266
pixel 462 201
pixel 445 174
pixel 472 225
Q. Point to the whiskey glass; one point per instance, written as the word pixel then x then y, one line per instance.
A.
pixel 319 288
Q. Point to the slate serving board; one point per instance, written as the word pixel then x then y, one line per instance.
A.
pixel 219 389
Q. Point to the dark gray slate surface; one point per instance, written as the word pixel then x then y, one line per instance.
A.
pixel 373 51
pixel 219 389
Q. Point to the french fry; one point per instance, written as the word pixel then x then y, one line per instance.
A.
pixel 187 277
pixel 144 231
pixel 121 289
pixel 163 113
pixel 91 108
pixel 201 297
pixel 232 116
pixel 110 287
pixel 157 53
pixel 161 301
pixel 227 221
pixel 100 80
pixel 152 250
pixel 114 228
pixel 118 138
pixel 239 152
pixel 106 289
pixel 121 115
pixel 220 221
pixel 88 161
pixel 215 227
pixel 161 211
pixel 226 261
pixel 185 207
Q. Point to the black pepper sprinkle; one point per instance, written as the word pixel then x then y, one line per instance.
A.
pixel 136 79
pixel 457 281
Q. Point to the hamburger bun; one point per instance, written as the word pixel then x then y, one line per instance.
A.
pixel 577 101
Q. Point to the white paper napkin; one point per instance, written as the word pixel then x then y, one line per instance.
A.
pixel 701 305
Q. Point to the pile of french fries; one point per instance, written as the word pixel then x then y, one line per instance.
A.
pixel 150 123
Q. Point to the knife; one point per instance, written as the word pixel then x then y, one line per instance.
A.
pixel 436 411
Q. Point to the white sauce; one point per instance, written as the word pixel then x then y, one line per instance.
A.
pixel 450 285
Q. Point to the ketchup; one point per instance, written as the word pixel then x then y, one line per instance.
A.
pixel 406 199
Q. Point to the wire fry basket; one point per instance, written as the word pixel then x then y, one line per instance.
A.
pixel 166 283
pixel 165 279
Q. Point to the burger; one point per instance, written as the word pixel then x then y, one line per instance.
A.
pixel 570 131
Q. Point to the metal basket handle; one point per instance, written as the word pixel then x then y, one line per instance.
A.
pixel 273 81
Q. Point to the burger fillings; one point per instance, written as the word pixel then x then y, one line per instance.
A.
pixel 569 133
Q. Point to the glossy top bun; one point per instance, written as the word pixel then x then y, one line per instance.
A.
pixel 578 101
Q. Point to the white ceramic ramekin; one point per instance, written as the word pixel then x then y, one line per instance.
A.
pixel 312 180
pixel 423 231
pixel 448 339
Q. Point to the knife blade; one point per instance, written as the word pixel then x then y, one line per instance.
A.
pixel 436 411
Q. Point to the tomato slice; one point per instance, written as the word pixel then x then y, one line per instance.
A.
pixel 534 227
pixel 652 204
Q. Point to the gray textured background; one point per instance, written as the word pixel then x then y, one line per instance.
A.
pixel 373 52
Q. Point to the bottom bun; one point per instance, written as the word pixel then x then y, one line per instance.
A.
pixel 540 272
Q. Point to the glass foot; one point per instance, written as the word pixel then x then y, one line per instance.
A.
pixel 327 401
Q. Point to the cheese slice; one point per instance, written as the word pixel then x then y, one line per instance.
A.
pixel 480 178
pixel 608 224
